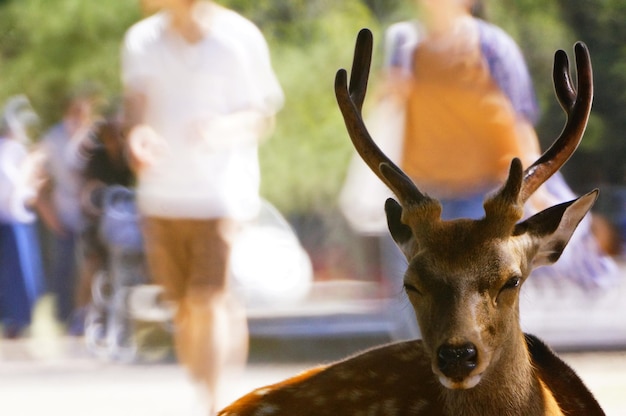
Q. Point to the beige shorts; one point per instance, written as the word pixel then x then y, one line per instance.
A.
pixel 188 254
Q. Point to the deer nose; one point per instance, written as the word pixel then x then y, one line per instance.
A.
pixel 457 361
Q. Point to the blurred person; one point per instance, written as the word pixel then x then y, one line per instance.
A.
pixel 105 165
pixel 59 201
pixel 469 103
pixel 454 105
pixel 467 108
pixel 200 95
pixel 21 273
pixel 470 108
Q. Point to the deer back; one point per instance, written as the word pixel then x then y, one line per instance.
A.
pixel 396 379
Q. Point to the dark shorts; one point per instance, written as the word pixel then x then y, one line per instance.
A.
pixel 184 255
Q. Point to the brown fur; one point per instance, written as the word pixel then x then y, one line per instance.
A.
pixel 397 380
pixel 569 390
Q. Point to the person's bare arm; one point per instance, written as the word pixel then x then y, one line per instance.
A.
pixel 135 132
pixel 134 108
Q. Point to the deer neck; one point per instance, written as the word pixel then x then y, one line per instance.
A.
pixel 510 388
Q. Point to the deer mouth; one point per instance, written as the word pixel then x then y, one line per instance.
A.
pixel 460 384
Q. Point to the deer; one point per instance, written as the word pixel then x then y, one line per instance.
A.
pixel 463 280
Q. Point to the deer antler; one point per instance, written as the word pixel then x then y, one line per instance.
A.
pixel 350 99
pixel 576 102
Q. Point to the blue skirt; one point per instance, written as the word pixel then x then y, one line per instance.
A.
pixel 21 273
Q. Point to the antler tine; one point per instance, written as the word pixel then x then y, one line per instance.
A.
pixel 361 65
pixel 350 100
pixel 577 105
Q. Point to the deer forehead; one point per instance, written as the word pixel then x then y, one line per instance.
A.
pixel 462 257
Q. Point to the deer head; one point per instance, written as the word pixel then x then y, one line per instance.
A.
pixel 464 276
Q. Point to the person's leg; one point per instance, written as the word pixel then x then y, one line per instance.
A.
pixel 12 309
pixel 166 263
pixel 189 259
pixel 205 338
pixel 64 275
pixel 92 259
pixel 213 327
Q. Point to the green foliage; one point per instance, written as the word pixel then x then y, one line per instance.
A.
pixel 49 47
pixel 304 163
pixel 601 24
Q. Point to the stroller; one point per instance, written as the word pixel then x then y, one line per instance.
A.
pixel 125 321
pixel 128 321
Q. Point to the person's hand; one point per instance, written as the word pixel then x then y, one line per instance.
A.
pixel 33 172
pixel 145 147
pixel 395 83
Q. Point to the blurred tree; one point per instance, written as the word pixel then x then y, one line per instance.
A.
pixel 48 47
pixel 388 10
pixel 601 24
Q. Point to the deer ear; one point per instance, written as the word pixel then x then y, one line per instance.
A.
pixel 400 232
pixel 552 228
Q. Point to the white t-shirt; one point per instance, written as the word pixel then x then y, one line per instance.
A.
pixel 208 170
pixel 14 192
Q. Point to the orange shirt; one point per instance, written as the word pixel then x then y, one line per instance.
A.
pixel 460 133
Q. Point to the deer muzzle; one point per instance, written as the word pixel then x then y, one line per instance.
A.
pixel 456 365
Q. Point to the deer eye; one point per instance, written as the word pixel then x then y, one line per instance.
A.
pixel 411 289
pixel 512 283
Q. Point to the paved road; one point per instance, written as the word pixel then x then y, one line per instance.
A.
pixel 57 377
pixel 64 380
